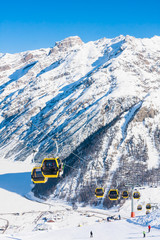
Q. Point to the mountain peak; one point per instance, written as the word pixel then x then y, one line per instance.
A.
pixel 100 100
pixel 69 42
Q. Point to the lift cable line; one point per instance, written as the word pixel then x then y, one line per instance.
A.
pixel 57 148
pixel 113 194
pixel 51 167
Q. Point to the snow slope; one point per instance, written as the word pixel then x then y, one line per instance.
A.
pixel 100 100
pixel 29 219
pixel 113 231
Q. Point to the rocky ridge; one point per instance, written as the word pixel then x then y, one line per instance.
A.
pixel 100 100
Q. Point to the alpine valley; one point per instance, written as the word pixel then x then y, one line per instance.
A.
pixel 99 100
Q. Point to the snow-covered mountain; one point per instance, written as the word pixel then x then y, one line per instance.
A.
pixel 99 100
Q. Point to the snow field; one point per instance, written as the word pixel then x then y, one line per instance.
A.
pixel 110 78
pixel 55 219
pixel 119 230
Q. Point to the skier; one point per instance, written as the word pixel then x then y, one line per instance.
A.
pixel 149 228
pixel 144 234
pixel 91 234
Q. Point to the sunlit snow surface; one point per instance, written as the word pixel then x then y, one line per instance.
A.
pixel 29 219
pixel 72 92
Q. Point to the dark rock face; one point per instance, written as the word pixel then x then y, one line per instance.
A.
pixel 28 57
pixel 4 68
pixel 69 42
pixel 66 44
pixel 99 100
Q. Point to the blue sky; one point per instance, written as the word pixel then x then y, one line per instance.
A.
pixel 28 25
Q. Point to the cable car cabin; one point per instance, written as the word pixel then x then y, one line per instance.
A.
pixel 113 194
pixel 99 192
pixel 37 176
pixel 148 206
pixel 61 166
pixel 147 212
pixel 139 207
pixel 125 194
pixel 51 167
pixel 136 195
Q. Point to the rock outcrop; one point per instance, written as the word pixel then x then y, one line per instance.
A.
pixel 99 100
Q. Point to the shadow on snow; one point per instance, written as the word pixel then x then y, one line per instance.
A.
pixel 19 183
